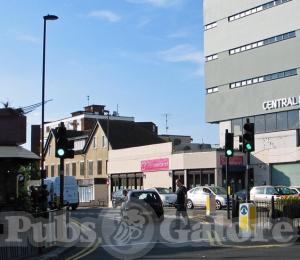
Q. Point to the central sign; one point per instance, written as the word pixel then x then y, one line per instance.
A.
pixel 155 165
pixel 281 103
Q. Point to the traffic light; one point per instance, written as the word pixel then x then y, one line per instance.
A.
pixel 228 144
pixel 63 147
pixel 248 137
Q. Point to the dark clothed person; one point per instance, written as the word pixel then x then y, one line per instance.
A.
pixel 180 205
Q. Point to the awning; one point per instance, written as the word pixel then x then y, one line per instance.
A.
pixel 17 152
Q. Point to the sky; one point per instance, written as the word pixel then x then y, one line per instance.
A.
pixel 144 56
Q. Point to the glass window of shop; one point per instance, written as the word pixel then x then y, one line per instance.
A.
pixel 293 119
pixel 177 175
pixel 126 181
pixel 282 121
pixel 237 126
pixel 270 122
pixel 200 178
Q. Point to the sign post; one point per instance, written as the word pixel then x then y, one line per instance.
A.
pixel 247 219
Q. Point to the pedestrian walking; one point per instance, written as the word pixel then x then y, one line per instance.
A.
pixel 180 205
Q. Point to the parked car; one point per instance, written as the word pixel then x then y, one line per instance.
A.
pixel 167 196
pixel 118 197
pixel 296 189
pixel 265 193
pixel 196 197
pixel 149 201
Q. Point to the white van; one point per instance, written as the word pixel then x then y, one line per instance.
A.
pixel 71 195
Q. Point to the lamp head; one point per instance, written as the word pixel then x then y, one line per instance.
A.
pixel 50 17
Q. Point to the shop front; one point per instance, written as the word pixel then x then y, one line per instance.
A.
pixel 200 177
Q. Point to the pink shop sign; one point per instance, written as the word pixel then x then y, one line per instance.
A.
pixel 155 165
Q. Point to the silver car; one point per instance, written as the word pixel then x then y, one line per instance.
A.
pixel 196 197
pixel 166 195
pixel 296 189
pixel 265 193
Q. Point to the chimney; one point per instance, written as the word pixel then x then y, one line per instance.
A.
pixel 95 109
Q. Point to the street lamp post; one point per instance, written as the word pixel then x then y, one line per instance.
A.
pixel 107 133
pixel 46 18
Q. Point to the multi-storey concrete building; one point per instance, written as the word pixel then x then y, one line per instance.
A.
pixel 252 67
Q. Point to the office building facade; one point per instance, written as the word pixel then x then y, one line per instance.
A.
pixel 252 70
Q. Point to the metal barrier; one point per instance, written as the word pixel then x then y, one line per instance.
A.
pixel 270 211
pixel 29 247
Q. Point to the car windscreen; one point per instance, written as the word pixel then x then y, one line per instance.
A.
pixel 164 191
pixel 284 191
pixel 218 190
pixel 146 196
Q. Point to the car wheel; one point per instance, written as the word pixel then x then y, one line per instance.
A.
pixel 189 204
pixel 74 207
pixel 218 205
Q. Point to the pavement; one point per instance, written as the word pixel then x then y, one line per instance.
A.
pixel 217 241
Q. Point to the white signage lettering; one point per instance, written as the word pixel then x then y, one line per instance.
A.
pixel 281 103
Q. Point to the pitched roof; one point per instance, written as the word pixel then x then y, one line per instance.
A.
pixel 124 134
pixel 71 134
pixel 17 152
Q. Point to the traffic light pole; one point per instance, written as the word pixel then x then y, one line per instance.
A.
pixel 227 187
pixel 62 183
pixel 247 175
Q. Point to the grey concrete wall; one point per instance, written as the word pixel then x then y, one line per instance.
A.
pixel 260 61
pixel 251 28
pixel 248 101
pixel 219 9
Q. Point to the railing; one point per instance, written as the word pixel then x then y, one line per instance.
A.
pixel 269 211
pixel 28 246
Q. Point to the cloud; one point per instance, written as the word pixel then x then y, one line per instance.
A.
pixel 28 38
pixel 105 15
pixel 157 3
pixel 182 53
pixel 179 34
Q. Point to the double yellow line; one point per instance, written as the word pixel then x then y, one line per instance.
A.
pixel 87 250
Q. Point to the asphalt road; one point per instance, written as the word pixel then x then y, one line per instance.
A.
pixel 107 223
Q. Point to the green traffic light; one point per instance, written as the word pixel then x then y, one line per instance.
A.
pixel 248 147
pixel 60 152
pixel 229 152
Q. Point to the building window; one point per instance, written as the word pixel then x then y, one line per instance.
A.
pixel 256 9
pixel 270 122
pixel 52 170
pixel 94 142
pixel 58 169
pixel 237 126
pixel 210 26
pixel 260 125
pixel 212 90
pixel 264 42
pixel 81 168
pixel 67 169
pixel 211 57
pixel 90 168
pixel 282 121
pixel 74 169
pixel 104 141
pixel 99 167
pixel 293 119
pixel 47 171
pixel 268 77
pixel 49 150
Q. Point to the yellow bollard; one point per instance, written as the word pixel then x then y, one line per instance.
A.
pixel 210 205
pixel 247 219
